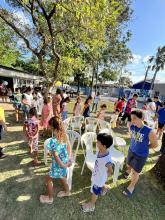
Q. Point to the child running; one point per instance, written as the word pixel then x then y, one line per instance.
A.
pixel 102 169
pixel 31 131
pixel 114 118
pixel 17 103
pixel 46 114
pixel 61 152
pixel 77 107
pixel 101 113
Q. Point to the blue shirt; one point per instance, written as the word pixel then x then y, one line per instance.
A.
pixel 161 116
pixel 139 143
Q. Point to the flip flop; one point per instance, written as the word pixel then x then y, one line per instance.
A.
pixel 45 199
pixel 62 194
pixel 127 193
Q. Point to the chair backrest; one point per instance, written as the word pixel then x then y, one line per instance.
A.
pixel 77 121
pixel 107 131
pixel 46 142
pixel 88 139
pixel 66 123
pixel 91 121
pixel 103 124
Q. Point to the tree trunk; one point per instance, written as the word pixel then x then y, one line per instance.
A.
pixel 159 170
pixel 78 85
pixel 96 78
pixel 153 80
pixel 145 77
pixel 93 74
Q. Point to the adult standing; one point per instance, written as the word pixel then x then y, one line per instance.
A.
pixel 142 138
pixel 131 103
pixel 56 100
pixel 151 107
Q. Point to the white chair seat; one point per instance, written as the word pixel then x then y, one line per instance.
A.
pixel 120 142
pixel 90 161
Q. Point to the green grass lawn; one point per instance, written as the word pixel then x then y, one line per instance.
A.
pixel 21 185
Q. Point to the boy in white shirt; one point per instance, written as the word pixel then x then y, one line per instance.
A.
pixel 102 169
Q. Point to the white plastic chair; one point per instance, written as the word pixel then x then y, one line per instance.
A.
pixel 66 123
pixel 73 136
pixel 90 124
pixel 76 123
pixel 118 141
pixel 88 140
pixel 103 124
pixel 116 155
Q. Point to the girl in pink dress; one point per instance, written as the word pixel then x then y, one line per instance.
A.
pixel 77 107
pixel 46 114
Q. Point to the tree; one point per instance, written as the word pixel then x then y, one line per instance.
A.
pixel 52 28
pixel 8 49
pixel 108 75
pixel 158 63
pixel 125 81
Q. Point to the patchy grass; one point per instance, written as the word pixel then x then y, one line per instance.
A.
pixel 21 185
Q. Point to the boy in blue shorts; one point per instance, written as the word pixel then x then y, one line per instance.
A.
pixel 102 169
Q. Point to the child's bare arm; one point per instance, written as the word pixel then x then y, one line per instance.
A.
pixel 60 163
pixel 110 170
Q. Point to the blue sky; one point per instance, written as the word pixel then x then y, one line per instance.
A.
pixel 148 33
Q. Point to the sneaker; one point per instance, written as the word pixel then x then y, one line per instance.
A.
pixel 88 209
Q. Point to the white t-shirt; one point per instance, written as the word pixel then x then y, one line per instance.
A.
pixel 99 174
pixel 28 98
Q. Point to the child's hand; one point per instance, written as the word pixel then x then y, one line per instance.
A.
pixel 69 164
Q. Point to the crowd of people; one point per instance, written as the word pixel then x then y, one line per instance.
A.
pixel 52 110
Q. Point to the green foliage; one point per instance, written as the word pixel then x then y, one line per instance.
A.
pixel 108 75
pixel 67 37
pixel 8 50
pixel 125 81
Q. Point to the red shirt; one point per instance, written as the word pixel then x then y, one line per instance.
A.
pixel 120 105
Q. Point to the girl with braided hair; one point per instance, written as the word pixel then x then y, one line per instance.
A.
pixel 61 152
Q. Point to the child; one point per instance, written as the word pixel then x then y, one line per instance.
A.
pixel 77 107
pixel 102 169
pixel 2 125
pixel 64 109
pixel 86 110
pixel 61 152
pixel 114 118
pixel 46 113
pixel 101 113
pixel 17 103
pixel 95 102
pixel 161 120
pixel 31 130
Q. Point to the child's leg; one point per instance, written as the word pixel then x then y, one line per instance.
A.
pixel 35 150
pixel 17 115
pixel 66 191
pixel 49 184
pixel 48 198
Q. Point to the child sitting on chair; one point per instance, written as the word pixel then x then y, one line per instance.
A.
pixel 102 169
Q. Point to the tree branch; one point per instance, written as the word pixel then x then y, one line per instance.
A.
pixel 3 17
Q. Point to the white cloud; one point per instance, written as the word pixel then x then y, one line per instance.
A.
pixel 135 59
pixel 146 58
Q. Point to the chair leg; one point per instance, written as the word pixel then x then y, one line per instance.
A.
pixel 116 172
pixel 83 167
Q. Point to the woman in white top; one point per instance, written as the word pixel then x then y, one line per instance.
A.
pixel 95 102
pixel 27 100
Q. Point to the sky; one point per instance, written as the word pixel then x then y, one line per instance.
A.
pixel 148 33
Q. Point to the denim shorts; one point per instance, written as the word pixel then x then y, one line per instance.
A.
pixel 135 161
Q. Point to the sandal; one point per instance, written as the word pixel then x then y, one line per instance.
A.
pixel 87 208
pixel 45 199
pixel 62 194
pixel 127 193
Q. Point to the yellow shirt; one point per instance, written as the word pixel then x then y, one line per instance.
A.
pixel 2 114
